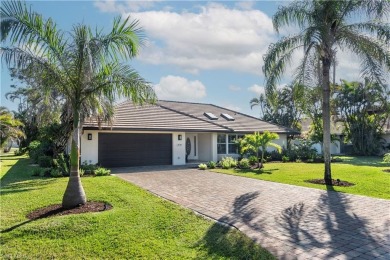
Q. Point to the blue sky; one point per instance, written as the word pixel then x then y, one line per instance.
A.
pixel 198 51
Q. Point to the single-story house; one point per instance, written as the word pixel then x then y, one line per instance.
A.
pixel 169 133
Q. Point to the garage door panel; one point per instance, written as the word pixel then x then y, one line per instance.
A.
pixel 120 150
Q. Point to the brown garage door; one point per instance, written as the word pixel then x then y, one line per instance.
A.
pixel 122 150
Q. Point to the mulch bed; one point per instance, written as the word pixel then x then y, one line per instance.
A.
pixel 386 170
pixel 57 210
pixel 334 182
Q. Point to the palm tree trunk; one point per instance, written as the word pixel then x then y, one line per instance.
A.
pixel 326 118
pixel 74 194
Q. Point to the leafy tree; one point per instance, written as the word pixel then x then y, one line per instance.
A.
pixel 325 27
pixel 255 142
pixel 364 110
pixel 9 127
pixel 282 107
pixel 83 66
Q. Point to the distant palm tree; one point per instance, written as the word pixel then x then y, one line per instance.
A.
pixel 83 65
pixel 9 127
pixel 326 26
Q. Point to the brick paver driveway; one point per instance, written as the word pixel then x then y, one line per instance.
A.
pixel 291 222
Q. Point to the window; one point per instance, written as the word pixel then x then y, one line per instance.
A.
pixel 233 147
pixel 221 144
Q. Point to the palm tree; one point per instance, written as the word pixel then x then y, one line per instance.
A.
pixel 325 27
pixel 254 142
pixel 83 65
pixel 9 127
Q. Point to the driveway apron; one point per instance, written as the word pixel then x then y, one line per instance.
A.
pixel 291 222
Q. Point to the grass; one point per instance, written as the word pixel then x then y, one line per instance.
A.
pixel 140 225
pixel 365 172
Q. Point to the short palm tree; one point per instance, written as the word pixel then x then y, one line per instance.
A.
pixel 255 142
pixel 325 27
pixel 83 65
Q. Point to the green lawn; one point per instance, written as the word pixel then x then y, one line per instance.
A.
pixel 365 172
pixel 140 225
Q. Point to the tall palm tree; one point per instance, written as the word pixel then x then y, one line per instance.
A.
pixel 325 27
pixel 83 65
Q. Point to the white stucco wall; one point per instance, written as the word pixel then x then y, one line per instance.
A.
pixel 205 147
pixel 178 148
pixel 89 148
pixel 282 141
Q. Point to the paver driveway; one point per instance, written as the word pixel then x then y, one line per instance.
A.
pixel 291 222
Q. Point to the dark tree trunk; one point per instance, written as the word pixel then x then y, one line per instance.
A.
pixel 326 61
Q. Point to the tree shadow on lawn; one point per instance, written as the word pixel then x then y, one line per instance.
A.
pixel 220 242
pixel 29 185
pixel 256 171
pixel 344 231
pixel 375 161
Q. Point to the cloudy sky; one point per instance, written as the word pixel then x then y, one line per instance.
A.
pixel 198 51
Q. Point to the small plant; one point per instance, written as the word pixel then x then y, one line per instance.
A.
pixel 89 168
pixel 386 158
pixel 228 162
pixel 100 171
pixel 285 158
pixel 337 159
pixel 252 160
pixel 81 172
pixel 244 163
pixel 298 160
pixel 38 171
pixel 55 173
pixel 211 164
pixel 45 161
pixel 225 165
pixel 202 166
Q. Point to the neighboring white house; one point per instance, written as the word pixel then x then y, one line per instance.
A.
pixel 160 134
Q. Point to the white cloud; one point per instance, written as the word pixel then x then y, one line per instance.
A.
pixel 234 88
pixel 245 5
pixel 113 6
pixel 257 89
pixel 179 89
pixel 214 38
pixel 233 107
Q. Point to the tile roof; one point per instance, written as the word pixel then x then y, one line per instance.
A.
pixel 183 116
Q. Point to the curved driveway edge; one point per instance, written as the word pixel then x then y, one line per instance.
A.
pixel 291 222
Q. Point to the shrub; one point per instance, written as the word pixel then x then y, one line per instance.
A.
pixel 244 163
pixel 211 164
pixel 252 160
pixel 89 168
pixel 386 158
pixel 285 158
pixel 202 166
pixel 38 171
pixel 100 171
pixel 302 150
pixel 298 160
pixel 63 162
pixel 45 161
pixel 228 162
pixel 55 173
pixel 35 150
pixel 81 172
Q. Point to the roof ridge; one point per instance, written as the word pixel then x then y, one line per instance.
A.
pixel 192 116
pixel 184 102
